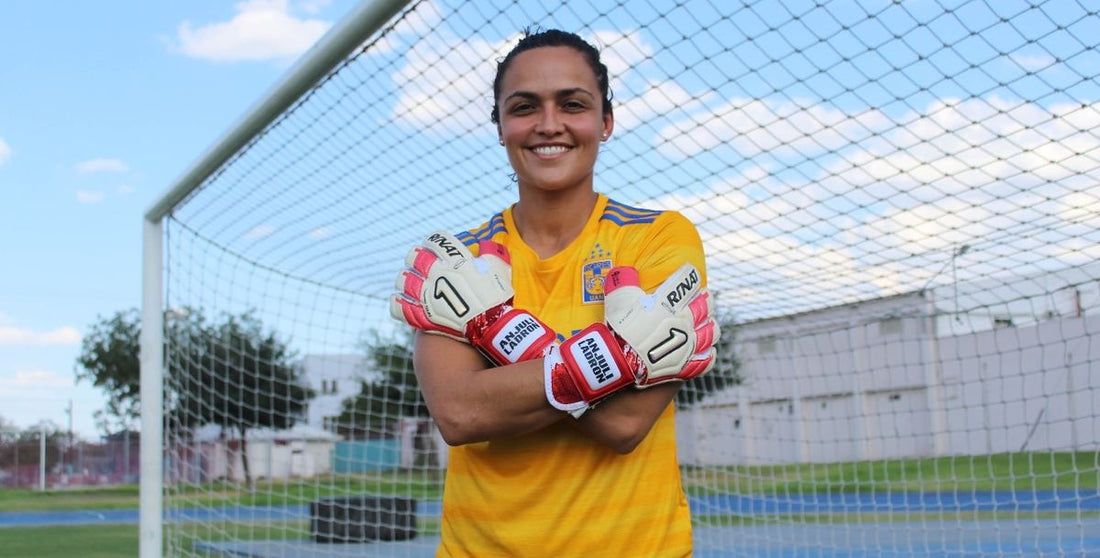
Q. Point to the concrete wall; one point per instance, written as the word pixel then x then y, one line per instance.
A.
pixel 875 380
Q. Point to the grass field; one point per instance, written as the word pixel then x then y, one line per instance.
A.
pixel 1000 472
pixel 1003 472
pixel 91 541
pixel 100 498
pixel 1008 472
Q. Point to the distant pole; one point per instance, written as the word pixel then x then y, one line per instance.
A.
pixel 126 455
pixel 42 458
pixel 70 411
pixel 68 436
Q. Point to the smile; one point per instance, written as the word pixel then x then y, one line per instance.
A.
pixel 550 150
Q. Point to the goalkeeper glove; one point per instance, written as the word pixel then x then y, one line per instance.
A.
pixel 447 291
pixel 646 339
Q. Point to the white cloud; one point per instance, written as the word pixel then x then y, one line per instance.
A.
pixel 456 96
pixel 314 6
pixel 260 231
pixel 756 126
pixel 101 165
pixel 423 20
pixel 89 197
pixel 260 30
pixel 17 336
pixel 658 99
pixel 1033 62
pixel 5 152
pixel 25 380
pixel 621 51
pixel 1017 182
pixel 452 97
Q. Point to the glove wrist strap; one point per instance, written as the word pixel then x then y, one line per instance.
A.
pixel 512 335
pixel 586 368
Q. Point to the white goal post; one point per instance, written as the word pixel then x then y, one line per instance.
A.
pixel 314 65
pixel 900 208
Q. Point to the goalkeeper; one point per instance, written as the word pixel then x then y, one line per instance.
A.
pixel 553 338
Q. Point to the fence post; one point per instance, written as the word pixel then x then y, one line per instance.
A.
pixel 42 458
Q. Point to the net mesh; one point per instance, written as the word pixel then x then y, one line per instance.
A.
pixel 900 207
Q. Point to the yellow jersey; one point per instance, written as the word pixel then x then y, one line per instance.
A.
pixel 556 492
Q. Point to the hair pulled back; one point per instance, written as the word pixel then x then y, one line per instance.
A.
pixel 539 38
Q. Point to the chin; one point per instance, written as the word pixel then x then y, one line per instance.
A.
pixel 554 183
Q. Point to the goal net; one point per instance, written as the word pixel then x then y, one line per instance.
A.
pixel 900 207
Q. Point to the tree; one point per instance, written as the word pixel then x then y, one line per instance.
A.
pixel 109 360
pixel 724 374
pixel 234 375
pixel 9 432
pixel 391 394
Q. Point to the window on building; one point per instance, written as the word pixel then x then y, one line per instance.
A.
pixel 328 387
pixel 766 346
pixel 890 326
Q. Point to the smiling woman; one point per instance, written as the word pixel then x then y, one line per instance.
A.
pixel 523 476
pixel 834 156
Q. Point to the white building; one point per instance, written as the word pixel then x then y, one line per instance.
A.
pixel 334 378
pixel 215 453
pixel 910 376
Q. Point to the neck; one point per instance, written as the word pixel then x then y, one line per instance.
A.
pixel 550 221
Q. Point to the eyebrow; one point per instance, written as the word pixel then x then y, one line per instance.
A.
pixel 557 94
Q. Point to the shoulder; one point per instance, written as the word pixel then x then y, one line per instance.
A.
pixel 622 214
pixel 647 222
pixel 486 231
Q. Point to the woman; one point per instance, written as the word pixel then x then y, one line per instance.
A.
pixel 525 478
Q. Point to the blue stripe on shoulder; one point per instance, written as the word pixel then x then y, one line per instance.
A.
pixel 484 232
pixel 621 214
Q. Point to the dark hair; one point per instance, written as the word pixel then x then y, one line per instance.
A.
pixel 539 38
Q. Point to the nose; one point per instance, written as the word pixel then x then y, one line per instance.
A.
pixel 550 122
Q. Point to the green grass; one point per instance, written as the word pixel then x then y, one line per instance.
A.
pixel 98 498
pixel 418 485
pixel 121 541
pixel 1019 471
pixel 1023 471
pixel 1007 472
pixel 265 493
pixel 92 541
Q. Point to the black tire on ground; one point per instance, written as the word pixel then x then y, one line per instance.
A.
pixel 362 519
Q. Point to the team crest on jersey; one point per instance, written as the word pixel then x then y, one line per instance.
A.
pixel 595 269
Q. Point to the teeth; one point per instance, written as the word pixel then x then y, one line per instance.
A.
pixel 550 150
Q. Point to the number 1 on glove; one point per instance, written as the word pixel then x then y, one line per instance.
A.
pixel 646 339
pixel 447 291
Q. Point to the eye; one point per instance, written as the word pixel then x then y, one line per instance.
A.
pixel 521 108
pixel 574 105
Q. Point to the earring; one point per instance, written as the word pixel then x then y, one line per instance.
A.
pixel 501 142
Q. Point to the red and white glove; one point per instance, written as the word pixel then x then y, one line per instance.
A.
pixel 447 291
pixel 646 339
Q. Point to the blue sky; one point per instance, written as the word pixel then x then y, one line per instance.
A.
pixel 852 159
pixel 103 107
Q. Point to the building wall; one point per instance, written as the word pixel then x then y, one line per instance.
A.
pixel 875 381
pixel 334 377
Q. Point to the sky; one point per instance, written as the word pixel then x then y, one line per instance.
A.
pixel 102 106
pixel 855 155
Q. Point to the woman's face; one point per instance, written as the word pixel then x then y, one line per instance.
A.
pixel 551 118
